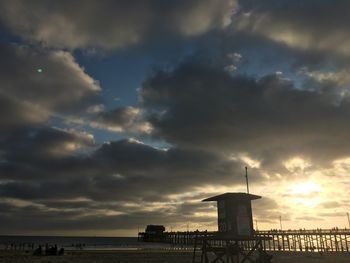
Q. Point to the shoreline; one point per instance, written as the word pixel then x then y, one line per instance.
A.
pixel 156 256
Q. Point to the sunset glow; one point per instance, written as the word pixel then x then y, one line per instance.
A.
pixel 305 188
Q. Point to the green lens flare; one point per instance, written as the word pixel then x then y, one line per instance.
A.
pixel 39 70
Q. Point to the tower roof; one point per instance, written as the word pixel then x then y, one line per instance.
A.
pixel 235 196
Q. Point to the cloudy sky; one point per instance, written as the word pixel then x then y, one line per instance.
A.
pixel 118 114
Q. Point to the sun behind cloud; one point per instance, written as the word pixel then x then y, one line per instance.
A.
pixel 306 193
pixel 305 188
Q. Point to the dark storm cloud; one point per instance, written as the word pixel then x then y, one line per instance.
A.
pixel 264 55
pixel 43 142
pixel 111 24
pixel 123 170
pixel 41 154
pixel 67 219
pixel 106 181
pixel 199 106
pixel 15 113
pixel 62 87
pixel 122 119
pixel 308 25
pixel 80 192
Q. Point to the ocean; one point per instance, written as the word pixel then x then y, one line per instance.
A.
pixel 74 243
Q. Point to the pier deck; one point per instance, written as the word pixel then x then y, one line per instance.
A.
pixel 317 240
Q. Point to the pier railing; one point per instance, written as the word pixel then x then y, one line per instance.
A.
pixel 314 240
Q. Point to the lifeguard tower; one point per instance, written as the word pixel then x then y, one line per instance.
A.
pixel 235 240
pixel 234 213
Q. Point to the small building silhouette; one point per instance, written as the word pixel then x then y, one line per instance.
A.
pixel 235 213
pixel 155 229
pixel 154 233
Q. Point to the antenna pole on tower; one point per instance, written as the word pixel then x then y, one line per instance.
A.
pixel 348 219
pixel 246 178
pixel 281 222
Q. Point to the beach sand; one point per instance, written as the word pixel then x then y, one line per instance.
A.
pixel 156 257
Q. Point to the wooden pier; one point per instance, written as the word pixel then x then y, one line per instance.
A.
pixel 315 240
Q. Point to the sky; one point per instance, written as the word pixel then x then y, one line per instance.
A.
pixel 118 114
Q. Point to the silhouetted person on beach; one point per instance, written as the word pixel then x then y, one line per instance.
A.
pixel 61 252
pixel 47 249
pixel 54 250
pixel 38 251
